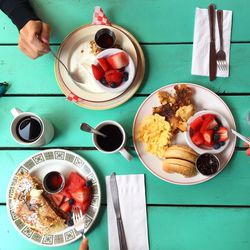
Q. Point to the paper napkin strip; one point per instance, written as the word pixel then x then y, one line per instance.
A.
pixel 99 17
pixel 200 60
pixel 133 210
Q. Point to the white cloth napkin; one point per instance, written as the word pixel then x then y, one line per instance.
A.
pixel 200 61
pixel 132 199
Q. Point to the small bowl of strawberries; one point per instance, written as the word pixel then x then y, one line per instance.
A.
pixel 207 132
pixel 114 70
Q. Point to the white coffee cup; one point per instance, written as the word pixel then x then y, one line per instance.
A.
pixel 47 130
pixel 121 148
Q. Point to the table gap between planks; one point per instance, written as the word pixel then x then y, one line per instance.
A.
pixel 212 215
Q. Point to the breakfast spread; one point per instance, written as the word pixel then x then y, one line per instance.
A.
pixel 158 130
pixel 180 159
pixel 208 131
pixel 32 207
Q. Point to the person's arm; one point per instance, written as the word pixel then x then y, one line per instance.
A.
pixel 34 34
pixel 19 11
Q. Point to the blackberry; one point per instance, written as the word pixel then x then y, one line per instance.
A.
pixel 103 81
pixel 222 143
pixel 89 183
pixel 216 137
pixel 70 222
pixel 217 146
pixel 216 128
pixel 71 201
pixel 125 76
pixel 113 85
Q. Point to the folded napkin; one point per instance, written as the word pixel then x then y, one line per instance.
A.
pixel 133 211
pixel 200 61
pixel 98 18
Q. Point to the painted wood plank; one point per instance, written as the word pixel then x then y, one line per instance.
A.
pixel 165 64
pixel 67 117
pixel 230 187
pixel 158 21
pixel 169 228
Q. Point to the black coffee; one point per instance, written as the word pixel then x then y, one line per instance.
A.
pixel 113 140
pixel 29 128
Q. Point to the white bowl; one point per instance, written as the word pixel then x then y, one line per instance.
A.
pixel 204 149
pixel 130 69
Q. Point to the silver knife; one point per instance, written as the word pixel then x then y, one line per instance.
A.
pixel 212 52
pixel 116 203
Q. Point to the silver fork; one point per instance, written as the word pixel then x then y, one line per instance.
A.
pixel 221 55
pixel 78 220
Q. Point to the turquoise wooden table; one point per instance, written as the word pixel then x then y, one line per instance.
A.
pixel 212 215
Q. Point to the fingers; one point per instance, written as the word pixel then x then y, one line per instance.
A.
pixel 45 34
pixel 248 152
pixel 84 244
pixel 29 40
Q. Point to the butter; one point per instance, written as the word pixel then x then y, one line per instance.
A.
pixel 34 193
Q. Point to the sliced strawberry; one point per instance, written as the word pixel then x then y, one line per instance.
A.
pixel 197 139
pixel 74 182
pixel 118 60
pixel 223 133
pixel 66 193
pixel 208 144
pixel 65 207
pixel 57 198
pixel 208 115
pixel 82 194
pixel 83 206
pixel 208 123
pixel 104 64
pixel 97 71
pixel 208 137
pixel 196 124
pixel 113 76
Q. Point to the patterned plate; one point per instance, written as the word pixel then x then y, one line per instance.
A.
pixel 38 165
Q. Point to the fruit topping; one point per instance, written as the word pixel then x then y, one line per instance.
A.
pixel 113 76
pixel 206 130
pixel 82 195
pixel 75 181
pixel 118 60
pixel 57 198
pixel 223 133
pixel 104 64
pixel 65 207
pixel 197 139
pixel 97 72
pixel 125 76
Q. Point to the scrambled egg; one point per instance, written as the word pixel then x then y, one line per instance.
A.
pixel 156 133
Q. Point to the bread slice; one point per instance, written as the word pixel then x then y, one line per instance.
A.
pixel 183 167
pixel 32 208
pixel 181 152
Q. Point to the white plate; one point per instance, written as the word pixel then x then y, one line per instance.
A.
pixel 64 161
pixel 130 68
pixel 75 53
pixel 203 99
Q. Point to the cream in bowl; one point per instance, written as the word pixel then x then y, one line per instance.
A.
pixel 207 132
pixel 113 70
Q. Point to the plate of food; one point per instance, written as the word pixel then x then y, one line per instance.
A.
pixel 160 132
pixel 79 51
pixel 42 215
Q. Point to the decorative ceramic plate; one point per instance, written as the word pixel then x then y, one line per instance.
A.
pixel 203 98
pixel 118 98
pixel 38 165
pixel 75 52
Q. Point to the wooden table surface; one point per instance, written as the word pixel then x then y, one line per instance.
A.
pixel 212 215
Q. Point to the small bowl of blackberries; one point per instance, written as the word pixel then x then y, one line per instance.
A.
pixel 113 70
pixel 207 132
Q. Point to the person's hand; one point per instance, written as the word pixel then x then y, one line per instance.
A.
pixel 34 39
pixel 84 244
pixel 248 149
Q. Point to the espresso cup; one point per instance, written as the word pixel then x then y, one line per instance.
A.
pixel 114 141
pixel 30 129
